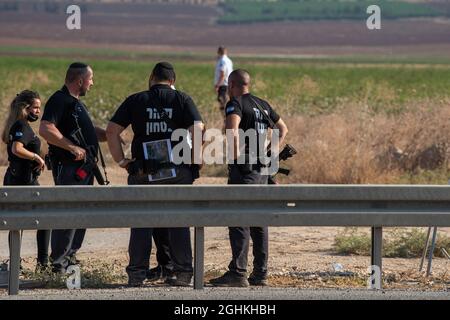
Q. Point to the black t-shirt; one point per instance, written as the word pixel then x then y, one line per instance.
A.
pixel 251 118
pixel 22 132
pixel 139 111
pixel 61 110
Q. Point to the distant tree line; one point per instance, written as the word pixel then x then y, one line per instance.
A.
pixel 248 11
pixel 58 6
pixel 48 6
pixel 9 6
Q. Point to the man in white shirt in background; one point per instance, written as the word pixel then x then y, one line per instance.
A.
pixel 224 67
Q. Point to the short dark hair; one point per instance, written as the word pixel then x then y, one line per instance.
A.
pixel 75 71
pixel 163 71
pixel 221 50
pixel 240 77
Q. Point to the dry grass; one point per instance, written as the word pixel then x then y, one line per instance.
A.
pixel 95 273
pixel 98 274
pixel 398 243
pixel 354 146
pixel 351 123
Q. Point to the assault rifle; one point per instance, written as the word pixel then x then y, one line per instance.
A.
pixel 90 162
pixel 287 152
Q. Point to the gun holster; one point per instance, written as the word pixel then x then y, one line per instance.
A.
pixel 48 162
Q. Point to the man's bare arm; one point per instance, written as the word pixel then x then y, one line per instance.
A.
pixel 101 134
pixel 113 131
pixel 52 135
pixel 232 122
pixel 283 130
pixel 197 131
pixel 221 80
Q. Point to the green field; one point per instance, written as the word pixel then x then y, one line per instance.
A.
pixel 247 11
pixel 343 117
pixel 307 88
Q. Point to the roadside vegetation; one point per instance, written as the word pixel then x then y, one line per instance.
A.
pixel 358 122
pixel 95 274
pixel 398 243
pixel 106 274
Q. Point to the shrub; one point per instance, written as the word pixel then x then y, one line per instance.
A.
pixel 398 243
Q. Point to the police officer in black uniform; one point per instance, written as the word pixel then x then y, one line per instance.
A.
pixel 153 115
pixel 243 112
pixel 25 162
pixel 64 114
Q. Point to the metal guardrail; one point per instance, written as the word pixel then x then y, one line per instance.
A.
pixel 376 206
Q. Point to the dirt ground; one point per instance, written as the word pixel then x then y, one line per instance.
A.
pixel 299 256
pixel 187 28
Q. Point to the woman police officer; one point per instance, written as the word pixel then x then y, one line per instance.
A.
pixel 25 163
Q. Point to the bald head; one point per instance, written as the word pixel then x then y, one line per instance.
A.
pixel 238 83
pixel 239 78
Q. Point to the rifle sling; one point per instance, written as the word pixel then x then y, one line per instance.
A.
pixel 265 115
pixel 102 159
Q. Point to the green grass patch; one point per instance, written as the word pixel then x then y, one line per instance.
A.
pixel 249 11
pixel 398 243
pixel 439 177
pixel 308 88
pixel 187 56
pixel 105 53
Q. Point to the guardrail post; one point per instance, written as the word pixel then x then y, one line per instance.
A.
pixel 14 262
pixel 199 248
pixel 425 250
pixel 430 255
pixel 376 257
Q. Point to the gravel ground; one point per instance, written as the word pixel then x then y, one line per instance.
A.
pixel 227 294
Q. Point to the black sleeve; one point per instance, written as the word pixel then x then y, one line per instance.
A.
pixel 191 113
pixel 54 111
pixel 20 133
pixel 122 116
pixel 233 107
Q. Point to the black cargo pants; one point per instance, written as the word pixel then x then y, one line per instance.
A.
pixel 141 238
pixel 65 243
pixel 240 236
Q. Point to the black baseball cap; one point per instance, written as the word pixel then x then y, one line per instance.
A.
pixel 164 71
